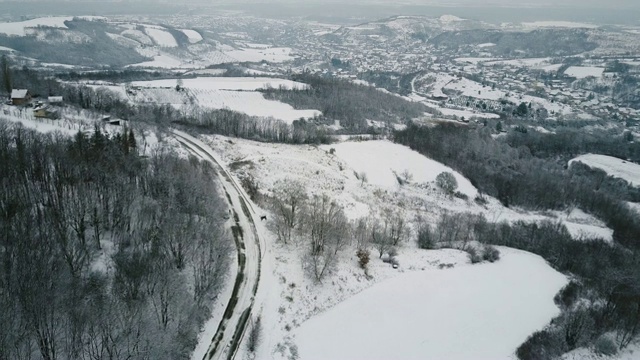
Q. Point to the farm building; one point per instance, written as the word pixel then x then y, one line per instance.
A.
pixel 20 97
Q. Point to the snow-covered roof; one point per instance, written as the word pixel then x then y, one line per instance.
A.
pixel 19 93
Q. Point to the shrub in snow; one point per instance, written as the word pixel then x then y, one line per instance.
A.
pixel 460 195
pixel 606 346
pixel 255 335
pixel 490 254
pixel 480 199
pixel 363 258
pixel 473 255
pixel 447 182
pixel 544 344
pixel 568 295
pixel 426 238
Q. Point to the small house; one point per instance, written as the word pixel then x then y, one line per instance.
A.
pixel 43 111
pixel 20 97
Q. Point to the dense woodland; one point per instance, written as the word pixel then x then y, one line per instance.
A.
pixel 607 276
pixel 105 254
pixel 350 103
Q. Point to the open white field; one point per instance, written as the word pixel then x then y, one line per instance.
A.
pixel 194 36
pixel 468 312
pixel 237 94
pixel 161 37
pixel 224 83
pixel 615 167
pixel 382 160
pixel 162 62
pixel 251 103
pixel 18 28
pixel 581 72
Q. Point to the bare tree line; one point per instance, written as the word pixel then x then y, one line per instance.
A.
pixel 104 254
pixel 319 224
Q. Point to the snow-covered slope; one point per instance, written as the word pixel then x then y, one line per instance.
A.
pixel 383 160
pixel 613 166
pixel 161 37
pixel 469 312
pixel 19 28
pixel 194 36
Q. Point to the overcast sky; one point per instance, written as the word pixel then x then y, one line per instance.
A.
pixel 475 3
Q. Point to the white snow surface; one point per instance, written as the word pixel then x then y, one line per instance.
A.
pixel 224 83
pixel 161 61
pixel 581 72
pixel 450 18
pixel 161 37
pixel 18 28
pixel 381 158
pixel 615 167
pixel 251 103
pixel 194 36
pixel 469 312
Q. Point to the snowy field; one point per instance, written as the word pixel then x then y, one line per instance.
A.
pixel 581 72
pixel 194 36
pixel 224 83
pixel 161 37
pixel 251 103
pixel 18 28
pixel 382 160
pixel 615 167
pixel 162 62
pixel 469 312
pixel 529 62
pixel 237 94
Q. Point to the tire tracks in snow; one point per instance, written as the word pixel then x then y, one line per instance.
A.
pixel 233 325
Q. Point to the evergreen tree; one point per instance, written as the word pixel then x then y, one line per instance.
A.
pixel 132 140
pixel 6 74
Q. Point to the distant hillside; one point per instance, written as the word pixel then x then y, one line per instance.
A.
pixel 543 42
pixel 83 43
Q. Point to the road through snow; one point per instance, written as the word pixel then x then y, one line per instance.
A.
pixel 234 323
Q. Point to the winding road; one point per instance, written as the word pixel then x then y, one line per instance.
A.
pixel 234 324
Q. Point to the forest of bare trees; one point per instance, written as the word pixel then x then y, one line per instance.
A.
pixel 105 254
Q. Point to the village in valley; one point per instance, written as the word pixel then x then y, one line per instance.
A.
pixel 353 162
pixel 447 63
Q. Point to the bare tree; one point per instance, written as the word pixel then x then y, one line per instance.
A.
pixel 289 197
pixel 328 233
pixel 362 233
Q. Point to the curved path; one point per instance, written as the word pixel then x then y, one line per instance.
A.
pixel 234 323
